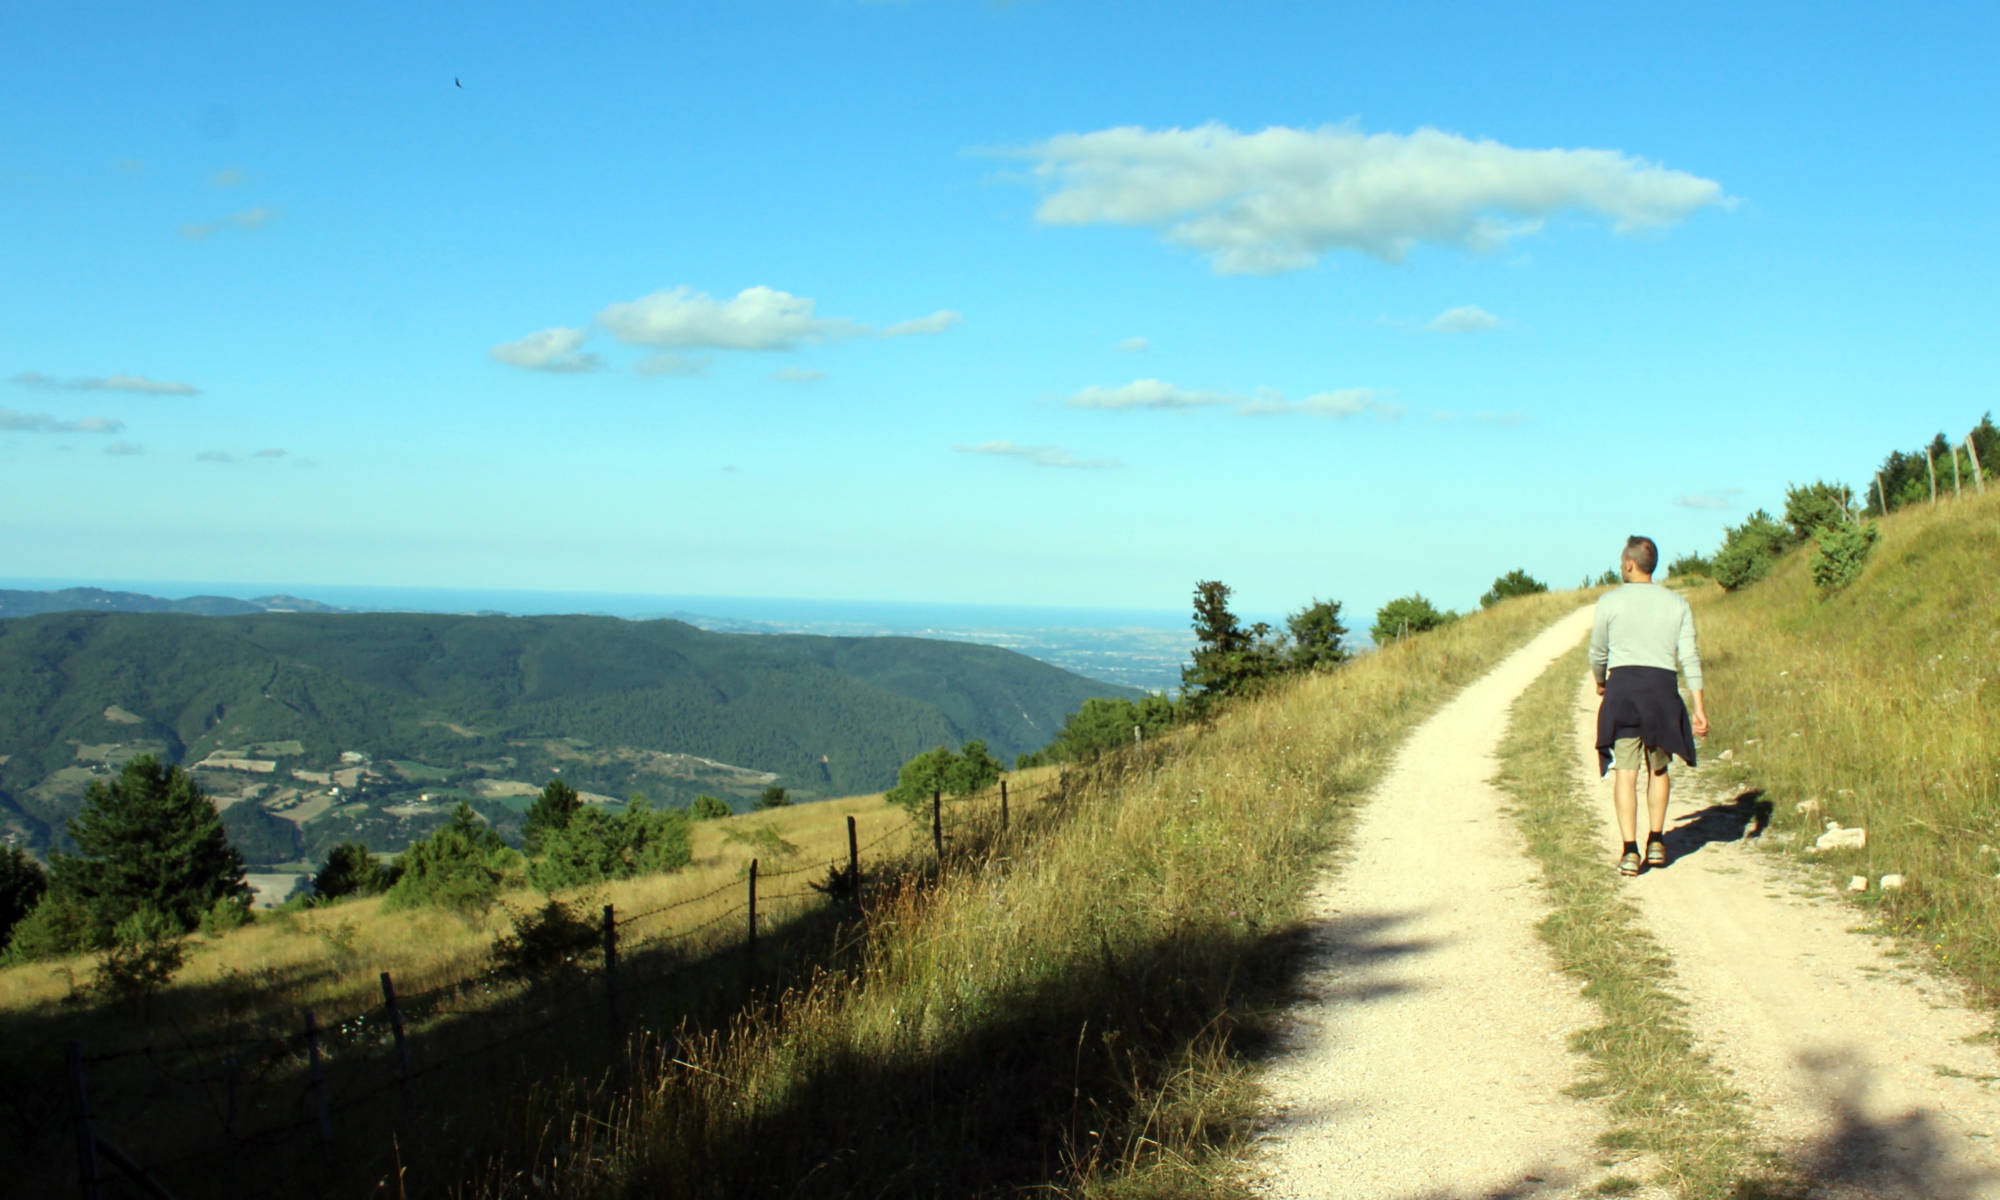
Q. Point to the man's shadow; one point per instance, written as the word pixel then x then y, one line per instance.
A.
pixel 1745 816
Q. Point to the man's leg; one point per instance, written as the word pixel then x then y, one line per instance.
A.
pixel 1656 798
pixel 1625 802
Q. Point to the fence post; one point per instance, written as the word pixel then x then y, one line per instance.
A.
pixel 1931 466
pixel 1954 473
pixel 1881 496
pixel 396 1026
pixel 1978 475
pixel 1003 806
pixel 753 904
pixel 1138 739
pixel 86 1135
pixel 853 858
pixel 318 1083
pixel 937 823
pixel 611 970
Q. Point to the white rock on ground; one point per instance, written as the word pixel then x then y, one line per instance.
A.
pixel 1837 838
pixel 1857 883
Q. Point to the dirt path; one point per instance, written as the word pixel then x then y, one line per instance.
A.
pixel 1430 1059
pixel 1860 1068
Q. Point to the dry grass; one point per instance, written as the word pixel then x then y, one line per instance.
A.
pixel 1882 705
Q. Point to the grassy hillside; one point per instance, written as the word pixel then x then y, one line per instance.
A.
pixel 483 709
pixel 1879 706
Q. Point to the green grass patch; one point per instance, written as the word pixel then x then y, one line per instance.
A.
pixel 1666 1097
pixel 417 772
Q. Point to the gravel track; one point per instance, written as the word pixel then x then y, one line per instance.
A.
pixel 1429 1058
pixel 1858 1067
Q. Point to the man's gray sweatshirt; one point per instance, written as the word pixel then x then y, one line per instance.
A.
pixel 1644 625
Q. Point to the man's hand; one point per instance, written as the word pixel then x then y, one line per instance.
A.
pixel 1700 723
pixel 1600 687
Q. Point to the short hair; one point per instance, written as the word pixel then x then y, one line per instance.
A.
pixel 1643 553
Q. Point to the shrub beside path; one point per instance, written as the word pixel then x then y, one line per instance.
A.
pixel 1870 1077
pixel 1428 1056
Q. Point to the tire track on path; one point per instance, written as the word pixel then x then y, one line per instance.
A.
pixel 1430 1057
pixel 1859 1068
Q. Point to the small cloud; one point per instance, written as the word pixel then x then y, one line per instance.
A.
pixel 215 456
pixel 937 322
pixel 125 448
pixel 758 318
pixel 247 220
pixel 798 375
pixel 228 177
pixel 107 383
pixel 552 350
pixel 20 422
pixel 273 452
pixel 1347 402
pixel 1466 318
pixel 1714 499
pixel 1040 456
pixel 1134 345
pixel 677 365
pixel 1148 393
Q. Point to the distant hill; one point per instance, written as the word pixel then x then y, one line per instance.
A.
pixel 87 599
pixel 313 726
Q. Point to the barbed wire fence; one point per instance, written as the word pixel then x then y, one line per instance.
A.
pixel 268 1108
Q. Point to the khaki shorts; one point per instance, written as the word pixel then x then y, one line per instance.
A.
pixel 1625 756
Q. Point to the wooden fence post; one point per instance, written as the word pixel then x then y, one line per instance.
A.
pixel 318 1083
pixel 1954 473
pixel 937 823
pixel 1931 466
pixel 86 1134
pixel 1978 475
pixel 853 858
pixel 396 1027
pixel 1881 496
pixel 753 904
pixel 611 970
pixel 1003 806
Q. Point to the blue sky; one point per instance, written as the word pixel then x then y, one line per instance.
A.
pixel 1033 303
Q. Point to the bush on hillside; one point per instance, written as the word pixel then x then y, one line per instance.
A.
pixel 1104 723
pixel 145 953
pixel 553 940
pixel 1316 632
pixel 1229 658
pixel 1690 566
pixel 22 884
pixel 1838 553
pixel 1406 615
pixel 150 839
pixel 773 797
pixel 1906 477
pixel 59 924
pixel 462 865
pixel 1513 583
pixel 1750 550
pixel 939 770
pixel 708 808
pixel 1818 505
pixel 350 870
pixel 551 811
pixel 597 845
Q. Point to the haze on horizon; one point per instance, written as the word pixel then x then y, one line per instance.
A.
pixel 1017 304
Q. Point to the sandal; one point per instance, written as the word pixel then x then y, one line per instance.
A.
pixel 1656 853
pixel 1629 865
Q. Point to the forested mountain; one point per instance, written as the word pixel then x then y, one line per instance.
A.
pixel 87 599
pixel 296 720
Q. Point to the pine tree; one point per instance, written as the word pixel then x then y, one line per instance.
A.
pixel 22 882
pixel 551 811
pixel 149 840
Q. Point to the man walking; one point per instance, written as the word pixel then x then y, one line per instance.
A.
pixel 1641 631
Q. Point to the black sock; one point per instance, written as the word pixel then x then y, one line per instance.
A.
pixel 1631 847
pixel 1655 836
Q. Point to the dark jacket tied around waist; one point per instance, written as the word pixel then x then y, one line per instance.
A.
pixel 1643 702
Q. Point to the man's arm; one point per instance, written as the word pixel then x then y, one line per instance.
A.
pixel 1600 645
pixel 1690 658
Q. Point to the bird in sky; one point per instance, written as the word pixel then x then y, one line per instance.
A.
pixel 454 80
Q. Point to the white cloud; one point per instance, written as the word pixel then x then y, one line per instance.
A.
pixel 215 456
pixel 228 177
pixel 20 422
pixel 798 375
pixel 1134 345
pixel 107 383
pixel 1712 499
pixel 272 452
pixel 1466 318
pixel 1347 402
pixel 937 322
pixel 247 220
pixel 759 318
pixel 672 365
pixel 125 448
pixel 1149 393
pixel 553 350
pixel 1276 200
pixel 1041 456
